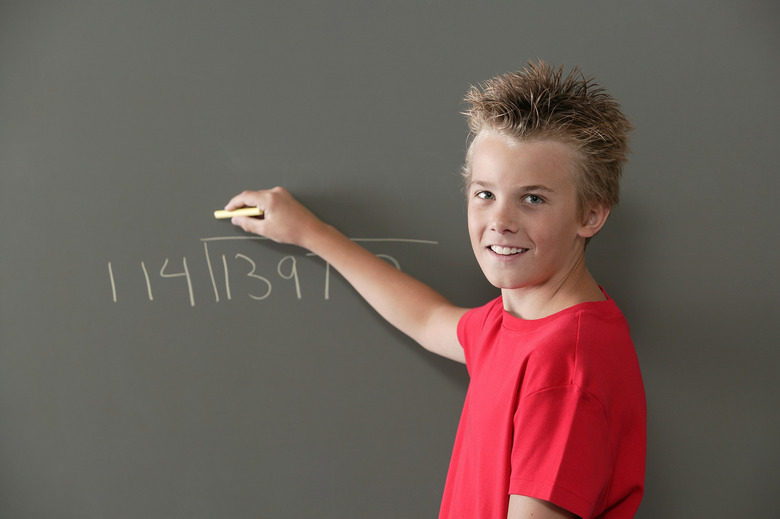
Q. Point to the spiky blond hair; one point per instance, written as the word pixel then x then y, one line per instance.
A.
pixel 539 102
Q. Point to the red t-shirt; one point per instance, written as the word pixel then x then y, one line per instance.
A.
pixel 555 410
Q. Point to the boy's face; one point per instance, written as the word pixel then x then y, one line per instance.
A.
pixel 523 218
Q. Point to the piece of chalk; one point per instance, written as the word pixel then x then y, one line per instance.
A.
pixel 244 211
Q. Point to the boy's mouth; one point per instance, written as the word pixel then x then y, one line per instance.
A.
pixel 506 251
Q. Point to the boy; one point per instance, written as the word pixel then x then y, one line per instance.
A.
pixel 554 419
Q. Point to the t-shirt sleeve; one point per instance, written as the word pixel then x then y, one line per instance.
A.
pixel 472 325
pixel 561 449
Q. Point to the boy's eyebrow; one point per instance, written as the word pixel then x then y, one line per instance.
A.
pixel 538 187
pixel 532 187
pixel 480 183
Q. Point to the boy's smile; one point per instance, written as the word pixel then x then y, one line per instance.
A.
pixel 525 227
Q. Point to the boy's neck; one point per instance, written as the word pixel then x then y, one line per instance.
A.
pixel 541 302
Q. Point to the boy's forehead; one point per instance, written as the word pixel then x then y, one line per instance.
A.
pixel 492 152
pixel 511 141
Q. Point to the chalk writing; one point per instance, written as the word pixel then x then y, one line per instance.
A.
pixel 113 283
pixel 185 274
pixel 240 270
pixel 250 274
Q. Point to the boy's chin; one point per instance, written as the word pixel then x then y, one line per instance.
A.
pixel 505 284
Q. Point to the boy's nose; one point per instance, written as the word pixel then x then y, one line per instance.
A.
pixel 503 221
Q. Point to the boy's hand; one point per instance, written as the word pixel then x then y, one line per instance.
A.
pixel 284 219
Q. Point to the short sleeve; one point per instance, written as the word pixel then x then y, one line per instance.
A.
pixel 473 323
pixel 561 450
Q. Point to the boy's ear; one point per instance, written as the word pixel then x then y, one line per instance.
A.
pixel 594 220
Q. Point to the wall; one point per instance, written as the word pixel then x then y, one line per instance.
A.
pixel 154 362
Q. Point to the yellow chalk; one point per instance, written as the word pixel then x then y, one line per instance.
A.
pixel 244 211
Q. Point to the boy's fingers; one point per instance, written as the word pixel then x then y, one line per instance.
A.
pixel 247 198
pixel 246 223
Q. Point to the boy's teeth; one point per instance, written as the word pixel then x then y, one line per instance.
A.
pixel 505 251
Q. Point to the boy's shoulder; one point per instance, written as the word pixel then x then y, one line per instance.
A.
pixel 587 314
pixel 476 319
pixel 585 336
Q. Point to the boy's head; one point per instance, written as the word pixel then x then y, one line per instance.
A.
pixel 539 103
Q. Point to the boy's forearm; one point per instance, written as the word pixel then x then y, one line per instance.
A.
pixel 402 300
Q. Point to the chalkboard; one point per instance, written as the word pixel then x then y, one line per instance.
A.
pixel 158 363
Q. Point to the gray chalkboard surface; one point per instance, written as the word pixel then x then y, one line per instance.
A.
pixel 158 363
pixel 165 365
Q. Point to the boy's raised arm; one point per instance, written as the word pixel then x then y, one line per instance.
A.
pixel 409 305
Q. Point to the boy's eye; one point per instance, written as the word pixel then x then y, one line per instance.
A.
pixel 534 199
pixel 485 195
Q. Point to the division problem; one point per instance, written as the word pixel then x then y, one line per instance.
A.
pixel 227 271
